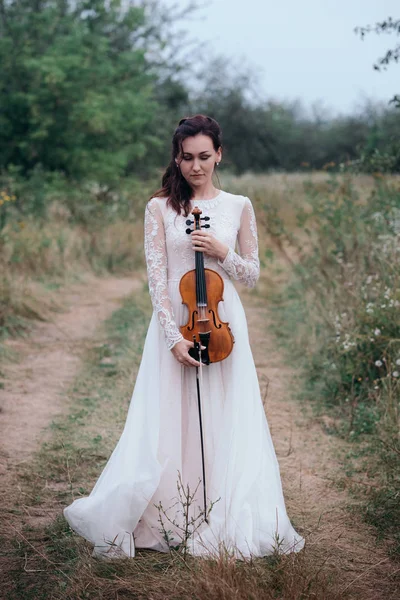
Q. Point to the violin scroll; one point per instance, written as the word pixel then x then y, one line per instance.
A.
pixel 189 222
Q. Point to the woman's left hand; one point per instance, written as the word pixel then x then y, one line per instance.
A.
pixel 204 241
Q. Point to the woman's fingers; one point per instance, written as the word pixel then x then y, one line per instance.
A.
pixel 192 362
pixel 200 237
pixel 189 362
pixel 184 357
pixel 200 233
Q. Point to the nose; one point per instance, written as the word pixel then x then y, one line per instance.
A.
pixel 196 165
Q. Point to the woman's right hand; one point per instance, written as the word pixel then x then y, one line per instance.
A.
pixel 181 353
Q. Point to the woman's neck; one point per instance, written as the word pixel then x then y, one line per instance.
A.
pixel 205 192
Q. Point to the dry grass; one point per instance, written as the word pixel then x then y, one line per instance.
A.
pixel 157 577
pixel 22 301
pixel 37 258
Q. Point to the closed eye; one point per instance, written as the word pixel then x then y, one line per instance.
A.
pixel 201 157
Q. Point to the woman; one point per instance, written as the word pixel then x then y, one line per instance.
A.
pixel 133 503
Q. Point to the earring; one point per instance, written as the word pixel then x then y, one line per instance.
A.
pixel 217 164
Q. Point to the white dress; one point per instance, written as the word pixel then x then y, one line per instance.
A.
pixel 161 439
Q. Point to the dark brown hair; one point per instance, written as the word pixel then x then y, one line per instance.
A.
pixel 174 186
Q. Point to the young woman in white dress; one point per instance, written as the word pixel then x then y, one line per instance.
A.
pixel 160 444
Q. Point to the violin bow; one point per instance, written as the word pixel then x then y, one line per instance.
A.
pixel 199 376
pixel 199 386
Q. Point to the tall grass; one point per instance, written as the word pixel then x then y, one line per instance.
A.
pixel 98 233
pixel 337 314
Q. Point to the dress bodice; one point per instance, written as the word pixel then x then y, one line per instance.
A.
pixel 169 252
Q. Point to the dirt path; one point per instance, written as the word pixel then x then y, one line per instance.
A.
pixel 309 461
pixel 48 362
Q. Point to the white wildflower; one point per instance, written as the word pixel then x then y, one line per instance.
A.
pixel 369 307
pixel 347 343
pixel 377 331
pixel 378 363
pixel 395 373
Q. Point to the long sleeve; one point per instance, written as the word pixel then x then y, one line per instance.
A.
pixel 245 266
pixel 156 261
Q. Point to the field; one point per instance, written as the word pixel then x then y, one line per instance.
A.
pixel 325 332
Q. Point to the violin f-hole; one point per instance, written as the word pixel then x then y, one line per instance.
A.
pixel 191 327
pixel 217 326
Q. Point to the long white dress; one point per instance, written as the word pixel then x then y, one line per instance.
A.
pixel 161 441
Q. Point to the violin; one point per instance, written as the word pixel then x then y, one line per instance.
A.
pixel 201 290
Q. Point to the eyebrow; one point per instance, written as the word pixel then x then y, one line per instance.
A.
pixel 202 152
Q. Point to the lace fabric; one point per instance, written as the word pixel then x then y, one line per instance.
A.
pixel 245 266
pixel 156 260
pixel 169 252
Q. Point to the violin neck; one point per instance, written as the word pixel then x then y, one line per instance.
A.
pixel 201 289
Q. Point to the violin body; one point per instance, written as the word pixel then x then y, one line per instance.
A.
pixel 205 320
pixel 201 290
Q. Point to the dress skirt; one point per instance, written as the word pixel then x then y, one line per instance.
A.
pixel 136 498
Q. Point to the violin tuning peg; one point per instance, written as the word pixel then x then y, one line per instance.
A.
pixel 206 226
pixel 189 230
pixel 205 218
pixel 189 222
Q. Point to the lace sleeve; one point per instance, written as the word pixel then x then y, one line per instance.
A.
pixel 245 266
pixel 156 261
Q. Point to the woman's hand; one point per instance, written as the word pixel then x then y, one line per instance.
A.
pixel 181 353
pixel 206 242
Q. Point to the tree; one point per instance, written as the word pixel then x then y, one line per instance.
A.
pixel 80 85
pixel 393 54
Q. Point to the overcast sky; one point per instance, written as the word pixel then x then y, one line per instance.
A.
pixel 303 49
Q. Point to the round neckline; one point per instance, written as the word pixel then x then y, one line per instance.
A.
pixel 208 202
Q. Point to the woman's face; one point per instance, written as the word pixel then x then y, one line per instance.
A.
pixel 197 161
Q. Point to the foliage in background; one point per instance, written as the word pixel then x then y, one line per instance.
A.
pixel 377 157
pixel 87 89
pixel 285 136
pixel 90 93
pixel 392 55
